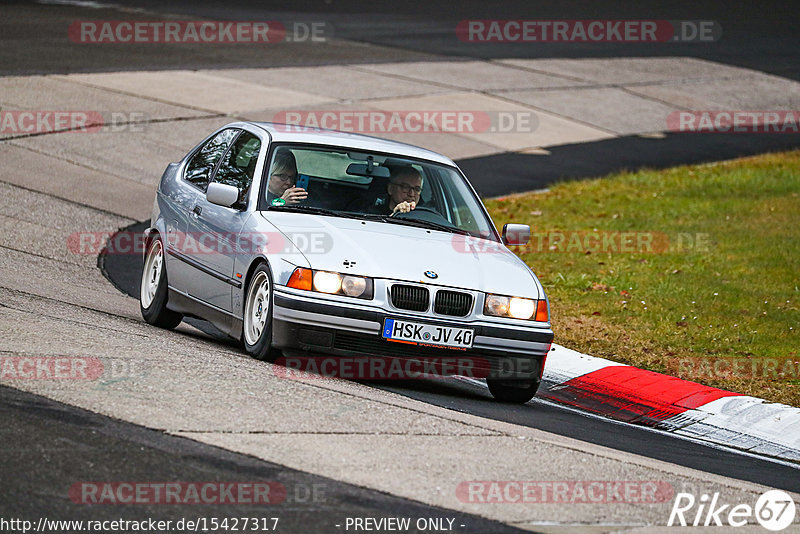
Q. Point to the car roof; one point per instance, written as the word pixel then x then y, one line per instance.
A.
pixel 283 133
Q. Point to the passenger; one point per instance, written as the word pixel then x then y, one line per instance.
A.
pixel 282 180
pixel 403 190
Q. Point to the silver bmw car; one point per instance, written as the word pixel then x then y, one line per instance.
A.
pixel 305 242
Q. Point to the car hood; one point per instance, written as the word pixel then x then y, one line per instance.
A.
pixel 385 250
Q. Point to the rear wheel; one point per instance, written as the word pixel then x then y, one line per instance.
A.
pixel 513 391
pixel 257 327
pixel 153 292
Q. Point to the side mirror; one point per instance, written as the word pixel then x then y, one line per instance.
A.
pixel 222 194
pixel 516 234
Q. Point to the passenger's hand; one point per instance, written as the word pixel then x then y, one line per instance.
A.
pixel 294 195
pixel 404 207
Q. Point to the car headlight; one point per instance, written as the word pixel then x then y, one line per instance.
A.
pixel 515 307
pixel 326 282
pixel 331 283
pixel 353 286
pixel 521 308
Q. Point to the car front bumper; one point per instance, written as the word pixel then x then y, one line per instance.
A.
pixel 308 324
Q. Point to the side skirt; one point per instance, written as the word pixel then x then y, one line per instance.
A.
pixel 188 305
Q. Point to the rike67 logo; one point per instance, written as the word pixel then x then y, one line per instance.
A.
pixel 774 510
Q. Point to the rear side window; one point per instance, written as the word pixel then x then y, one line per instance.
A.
pixel 200 167
pixel 239 164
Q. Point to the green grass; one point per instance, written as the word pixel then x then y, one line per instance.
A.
pixel 722 279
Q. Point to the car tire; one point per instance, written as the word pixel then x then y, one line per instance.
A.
pixel 513 391
pixel 257 316
pixel 153 291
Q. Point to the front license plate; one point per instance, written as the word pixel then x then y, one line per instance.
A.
pixel 426 334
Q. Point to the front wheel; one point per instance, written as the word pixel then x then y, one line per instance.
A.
pixel 513 391
pixel 153 292
pixel 257 328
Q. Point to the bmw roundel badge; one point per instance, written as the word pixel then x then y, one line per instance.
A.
pixel 431 274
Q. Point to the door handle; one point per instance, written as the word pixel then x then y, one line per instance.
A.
pixel 197 210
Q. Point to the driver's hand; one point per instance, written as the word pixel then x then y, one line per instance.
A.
pixel 294 195
pixel 404 207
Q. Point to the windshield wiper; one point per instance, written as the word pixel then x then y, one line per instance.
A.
pixel 313 209
pixel 426 224
pixel 371 216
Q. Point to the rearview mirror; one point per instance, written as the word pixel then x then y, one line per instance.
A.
pixel 368 169
pixel 516 234
pixel 222 194
pixel 363 156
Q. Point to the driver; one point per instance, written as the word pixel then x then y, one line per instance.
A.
pixel 403 191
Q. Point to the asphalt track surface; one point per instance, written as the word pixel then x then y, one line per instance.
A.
pixel 505 173
pixel 47 445
pixel 761 36
pixel 124 272
pixel 758 35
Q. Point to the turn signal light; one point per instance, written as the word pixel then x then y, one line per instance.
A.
pixel 301 279
pixel 541 311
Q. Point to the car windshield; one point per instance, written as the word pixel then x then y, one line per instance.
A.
pixel 395 190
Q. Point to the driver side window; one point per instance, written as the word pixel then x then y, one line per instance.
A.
pixel 202 164
pixel 239 163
